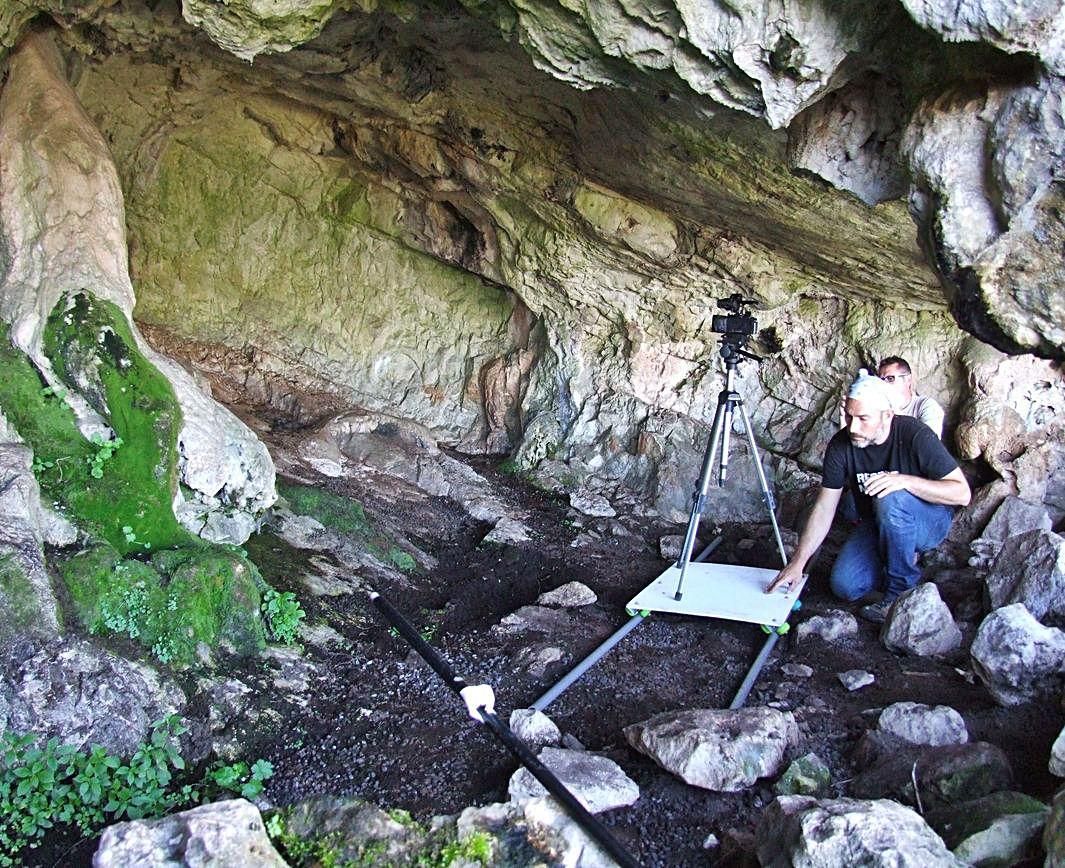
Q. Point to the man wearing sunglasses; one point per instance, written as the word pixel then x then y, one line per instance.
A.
pixel 897 373
pixel 905 486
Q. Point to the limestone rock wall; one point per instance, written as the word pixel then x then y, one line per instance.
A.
pixel 63 229
pixel 519 244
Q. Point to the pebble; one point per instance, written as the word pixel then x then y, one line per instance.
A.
pixel 797 670
pixel 853 679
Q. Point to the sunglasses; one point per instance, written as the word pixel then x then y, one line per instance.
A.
pixel 891 378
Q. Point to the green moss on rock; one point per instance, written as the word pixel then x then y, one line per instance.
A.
pixel 182 600
pixel 19 606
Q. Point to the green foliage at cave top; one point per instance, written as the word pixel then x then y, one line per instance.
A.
pixel 120 489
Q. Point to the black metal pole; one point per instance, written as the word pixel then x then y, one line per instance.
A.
pixel 542 773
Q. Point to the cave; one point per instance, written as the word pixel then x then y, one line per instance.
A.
pixel 303 300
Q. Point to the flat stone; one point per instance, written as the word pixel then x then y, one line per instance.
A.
pixel 724 750
pixel 536 619
pixel 797 670
pixel 597 782
pixel 590 503
pixel 833 626
pixel 568 596
pixel 923 724
pixel 537 658
pixel 855 679
pixel 507 531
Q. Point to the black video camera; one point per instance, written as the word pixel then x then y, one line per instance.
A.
pixel 739 323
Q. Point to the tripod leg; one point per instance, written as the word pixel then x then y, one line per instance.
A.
pixel 767 495
pixel 699 497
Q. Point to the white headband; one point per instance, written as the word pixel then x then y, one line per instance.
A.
pixel 871 390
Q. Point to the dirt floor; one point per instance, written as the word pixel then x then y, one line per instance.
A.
pixel 378 724
pixel 385 728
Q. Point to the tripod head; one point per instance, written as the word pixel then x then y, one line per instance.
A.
pixel 736 329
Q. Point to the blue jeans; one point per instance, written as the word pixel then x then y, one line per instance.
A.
pixel 882 554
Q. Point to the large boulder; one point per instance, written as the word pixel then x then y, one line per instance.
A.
pixel 216 835
pixel 722 750
pixel 920 623
pixel 944 775
pixel 1016 657
pixel 83 695
pixel 998 829
pixel 1030 569
pixel 802 832
pixel 355 825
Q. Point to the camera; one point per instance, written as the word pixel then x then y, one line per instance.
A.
pixel 738 323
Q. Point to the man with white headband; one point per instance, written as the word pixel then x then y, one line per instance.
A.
pixel 905 486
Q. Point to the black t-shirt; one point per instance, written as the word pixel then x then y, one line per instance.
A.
pixel 911 448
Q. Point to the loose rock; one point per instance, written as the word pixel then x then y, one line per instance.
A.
pixel 833 626
pixel 721 750
pixel 670 547
pixel 568 596
pixel 854 679
pixel 945 775
pixel 920 623
pixel 596 781
pixel 534 728
pixel 923 724
pixel 807 776
pixel 1016 657
pixel 589 503
pixel 1030 569
pixel 803 832
pixel 1057 755
pixel 218 834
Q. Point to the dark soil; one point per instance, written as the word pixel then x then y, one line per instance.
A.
pixel 380 725
pixel 384 727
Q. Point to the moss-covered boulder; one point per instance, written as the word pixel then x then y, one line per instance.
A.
pixel 180 606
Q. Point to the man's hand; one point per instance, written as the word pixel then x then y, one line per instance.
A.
pixel 477 696
pixel 786 578
pixel 887 482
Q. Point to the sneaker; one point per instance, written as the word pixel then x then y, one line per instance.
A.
pixel 876 612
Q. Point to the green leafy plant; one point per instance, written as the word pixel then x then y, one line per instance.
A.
pixel 104 450
pixel 401 560
pixel 283 613
pixel 42 787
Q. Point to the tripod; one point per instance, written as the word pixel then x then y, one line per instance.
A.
pixel 728 400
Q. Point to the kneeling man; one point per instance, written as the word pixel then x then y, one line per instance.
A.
pixel 905 486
